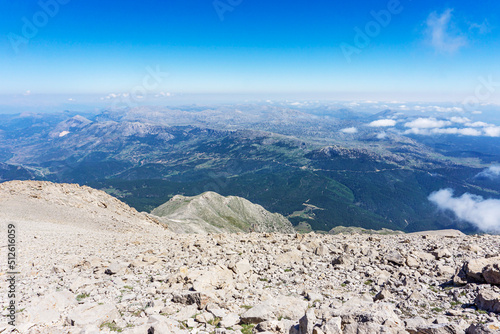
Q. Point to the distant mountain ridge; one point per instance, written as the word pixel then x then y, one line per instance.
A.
pixel 276 157
pixel 213 213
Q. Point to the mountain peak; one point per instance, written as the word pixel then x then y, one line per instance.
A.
pixel 211 212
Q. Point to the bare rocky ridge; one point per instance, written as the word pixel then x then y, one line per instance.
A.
pixel 68 204
pixel 79 276
pixel 213 213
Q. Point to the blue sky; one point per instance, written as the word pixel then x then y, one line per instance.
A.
pixel 426 50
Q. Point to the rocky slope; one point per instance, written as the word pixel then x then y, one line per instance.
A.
pixel 213 213
pixel 96 277
pixel 68 204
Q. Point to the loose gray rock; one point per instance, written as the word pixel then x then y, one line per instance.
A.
pixel 488 300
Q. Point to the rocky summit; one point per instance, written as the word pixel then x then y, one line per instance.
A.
pixel 211 212
pixel 88 263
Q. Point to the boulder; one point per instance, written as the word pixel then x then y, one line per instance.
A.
pixel 342 260
pixel 474 269
pixel 437 329
pixel 274 326
pixel 230 320
pixel 371 328
pixel 321 250
pixel 489 328
pixel 291 257
pixel 332 326
pixel 307 322
pixel 92 314
pixel 395 257
pixel 275 308
pixel 161 324
pixel 358 310
pixel 441 253
pixel 190 298
pixel 242 267
pixel 414 323
pixel 491 273
pixel 205 317
pixel 117 268
pixel 219 277
pixel 48 309
pixel 488 300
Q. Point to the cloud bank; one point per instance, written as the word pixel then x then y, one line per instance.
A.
pixel 482 213
pixel 349 130
pixel 383 123
pixel 428 126
pixel 427 123
pixel 491 172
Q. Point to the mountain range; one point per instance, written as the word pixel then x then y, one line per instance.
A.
pixel 298 163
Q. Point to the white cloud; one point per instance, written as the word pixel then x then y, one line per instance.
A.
pixel 167 94
pixel 441 34
pixel 482 28
pixel 491 172
pixel 417 131
pixel 111 96
pixel 28 92
pixel 431 126
pixel 447 109
pixel 64 133
pixel 381 135
pixel 461 120
pixel 477 124
pixel 349 130
pixel 492 131
pixel 440 109
pixel 483 213
pixel 427 123
pixel 383 123
pixel 469 132
pixel 456 131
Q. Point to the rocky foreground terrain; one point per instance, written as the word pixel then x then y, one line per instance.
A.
pixel 88 264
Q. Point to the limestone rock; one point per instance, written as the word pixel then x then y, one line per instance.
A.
pixel 92 314
pixel 474 268
pixel 230 320
pixel 190 298
pixel 291 257
pixel 274 308
pixel 491 273
pixel 488 328
pixel 395 257
pixel 488 300
pixel 437 329
pixel 242 267
pixel 216 278
pixel 48 309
